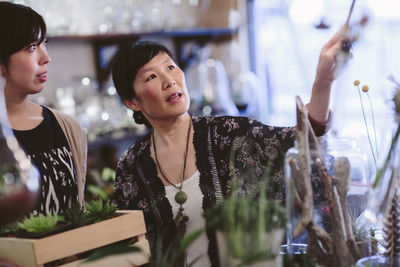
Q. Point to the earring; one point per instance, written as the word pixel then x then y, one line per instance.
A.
pixel 138 115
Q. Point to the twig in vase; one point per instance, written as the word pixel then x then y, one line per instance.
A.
pixel 339 249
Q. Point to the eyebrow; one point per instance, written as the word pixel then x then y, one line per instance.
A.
pixel 149 69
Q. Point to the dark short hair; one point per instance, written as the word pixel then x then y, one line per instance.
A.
pixel 127 63
pixel 19 26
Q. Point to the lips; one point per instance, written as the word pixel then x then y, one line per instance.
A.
pixel 42 77
pixel 174 97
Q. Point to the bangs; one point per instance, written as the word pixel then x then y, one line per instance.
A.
pixel 24 27
pixel 33 31
pixel 145 51
pixel 128 62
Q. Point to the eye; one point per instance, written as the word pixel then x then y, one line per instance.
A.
pixel 152 76
pixel 31 47
pixel 171 67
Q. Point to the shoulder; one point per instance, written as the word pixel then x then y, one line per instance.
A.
pixel 223 120
pixel 234 124
pixel 135 151
pixel 245 126
pixel 64 117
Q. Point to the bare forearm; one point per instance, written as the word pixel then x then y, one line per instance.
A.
pixel 318 108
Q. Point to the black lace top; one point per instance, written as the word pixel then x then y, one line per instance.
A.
pixel 227 148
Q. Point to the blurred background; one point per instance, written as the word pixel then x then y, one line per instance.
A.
pixel 240 57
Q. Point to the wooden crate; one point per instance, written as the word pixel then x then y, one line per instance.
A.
pixel 37 252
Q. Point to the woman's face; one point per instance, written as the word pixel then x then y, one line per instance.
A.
pixel 160 89
pixel 27 69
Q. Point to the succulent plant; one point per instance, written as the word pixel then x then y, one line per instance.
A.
pixel 76 216
pixel 40 224
pixel 97 210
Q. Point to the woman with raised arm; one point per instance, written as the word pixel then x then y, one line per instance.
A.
pixel 182 166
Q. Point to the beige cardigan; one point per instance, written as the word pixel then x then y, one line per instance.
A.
pixel 77 142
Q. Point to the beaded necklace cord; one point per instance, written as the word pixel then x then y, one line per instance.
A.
pixel 180 196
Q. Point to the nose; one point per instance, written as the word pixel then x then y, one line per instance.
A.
pixel 169 82
pixel 44 56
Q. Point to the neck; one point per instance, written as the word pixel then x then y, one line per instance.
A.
pixel 25 108
pixel 180 144
pixel 167 133
pixel 15 103
pixel 22 113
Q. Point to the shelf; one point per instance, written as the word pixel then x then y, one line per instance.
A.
pixel 100 42
pixel 182 33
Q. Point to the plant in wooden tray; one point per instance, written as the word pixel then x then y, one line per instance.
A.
pixel 249 229
pixel 40 224
pixel 9 229
pixel 98 210
pixel 76 216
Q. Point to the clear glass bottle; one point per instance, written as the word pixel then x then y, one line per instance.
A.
pixel 19 179
pixel 382 214
pixel 330 149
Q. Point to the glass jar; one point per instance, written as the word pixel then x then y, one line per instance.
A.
pixel 378 261
pixel 330 149
pixel 382 213
pixel 362 171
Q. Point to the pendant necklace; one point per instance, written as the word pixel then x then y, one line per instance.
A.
pixel 180 196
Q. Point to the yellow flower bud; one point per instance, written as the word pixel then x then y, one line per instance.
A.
pixel 356 82
pixel 365 88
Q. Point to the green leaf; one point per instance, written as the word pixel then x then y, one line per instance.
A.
pixel 40 224
pixel 107 174
pixel 97 211
pixel 97 191
pixel 189 239
pixel 75 215
pixel 245 220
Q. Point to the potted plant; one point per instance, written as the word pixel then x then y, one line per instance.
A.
pixel 249 230
pixel 39 240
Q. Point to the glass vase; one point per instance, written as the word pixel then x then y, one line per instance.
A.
pixel 378 261
pixel 331 150
pixel 19 179
pixel 382 214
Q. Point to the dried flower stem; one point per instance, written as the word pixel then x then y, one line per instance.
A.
pixel 366 127
pixel 373 124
